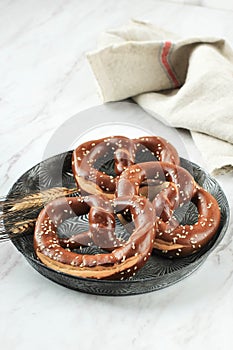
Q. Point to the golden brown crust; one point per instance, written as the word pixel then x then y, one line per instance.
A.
pixel 98 272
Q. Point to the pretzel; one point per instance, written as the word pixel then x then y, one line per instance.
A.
pixel 124 151
pixel 121 262
pixel 173 239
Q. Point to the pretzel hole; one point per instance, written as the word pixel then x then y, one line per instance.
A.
pixel 187 214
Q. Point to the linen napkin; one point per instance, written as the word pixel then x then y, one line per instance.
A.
pixel 187 82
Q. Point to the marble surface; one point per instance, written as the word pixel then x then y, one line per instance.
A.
pixel 223 4
pixel 45 79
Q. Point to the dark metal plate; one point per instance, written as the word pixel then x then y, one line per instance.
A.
pixel 159 272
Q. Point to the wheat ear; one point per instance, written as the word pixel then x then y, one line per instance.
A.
pixel 19 213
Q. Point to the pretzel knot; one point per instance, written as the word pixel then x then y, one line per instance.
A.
pixel 173 239
pixel 121 261
pixel 123 151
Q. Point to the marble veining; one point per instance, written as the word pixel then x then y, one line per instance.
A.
pixel 45 79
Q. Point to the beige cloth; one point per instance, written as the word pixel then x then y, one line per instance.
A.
pixel 187 82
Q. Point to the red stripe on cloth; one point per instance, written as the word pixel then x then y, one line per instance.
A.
pixel 164 60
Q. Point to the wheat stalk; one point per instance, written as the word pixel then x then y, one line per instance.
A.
pixel 15 210
pixel 23 226
pixel 38 199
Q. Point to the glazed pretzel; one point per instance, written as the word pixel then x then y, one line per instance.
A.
pixel 173 239
pixel 123 150
pixel 121 262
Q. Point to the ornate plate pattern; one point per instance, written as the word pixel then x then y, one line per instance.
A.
pixel 159 272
